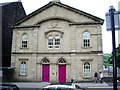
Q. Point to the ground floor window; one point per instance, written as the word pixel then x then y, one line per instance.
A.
pixel 86 69
pixel 23 68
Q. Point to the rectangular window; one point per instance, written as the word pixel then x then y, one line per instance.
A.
pixel 57 42
pixel 86 43
pixel 50 42
pixel 86 73
pixel 24 44
pixel 54 42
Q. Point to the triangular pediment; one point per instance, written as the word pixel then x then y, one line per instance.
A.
pixel 57 10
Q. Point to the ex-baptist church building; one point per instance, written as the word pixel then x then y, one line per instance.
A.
pixel 57 43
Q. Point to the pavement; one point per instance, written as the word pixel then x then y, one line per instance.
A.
pixel 42 84
pixel 31 84
pixel 92 85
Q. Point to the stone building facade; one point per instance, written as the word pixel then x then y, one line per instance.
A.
pixel 57 43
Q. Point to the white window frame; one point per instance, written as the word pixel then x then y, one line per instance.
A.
pixel 57 42
pixel 23 67
pixel 86 39
pixel 50 42
pixel 87 70
pixel 24 41
pixel 54 42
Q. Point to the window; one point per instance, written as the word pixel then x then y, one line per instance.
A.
pixel 62 61
pixel 23 68
pixel 87 69
pixel 57 42
pixel 24 41
pixel 54 42
pixel 50 42
pixel 86 39
pixel 45 61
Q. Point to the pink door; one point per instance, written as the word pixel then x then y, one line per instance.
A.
pixel 62 73
pixel 45 73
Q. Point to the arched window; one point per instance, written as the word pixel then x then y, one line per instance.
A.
pixel 87 69
pixel 23 68
pixel 61 61
pixel 46 61
pixel 86 39
pixel 57 42
pixel 24 40
pixel 50 42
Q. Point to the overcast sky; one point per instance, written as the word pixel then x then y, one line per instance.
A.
pixel 95 7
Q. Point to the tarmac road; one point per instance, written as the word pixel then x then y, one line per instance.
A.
pixel 87 86
pixel 101 88
pixel 97 88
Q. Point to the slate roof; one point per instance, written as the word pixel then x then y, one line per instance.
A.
pixel 2 4
pixel 97 19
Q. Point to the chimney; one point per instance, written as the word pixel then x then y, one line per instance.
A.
pixel 55 1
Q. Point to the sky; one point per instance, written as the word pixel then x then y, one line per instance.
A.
pixel 95 7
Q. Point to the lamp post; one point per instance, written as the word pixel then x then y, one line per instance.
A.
pixel 112 10
pixel 112 22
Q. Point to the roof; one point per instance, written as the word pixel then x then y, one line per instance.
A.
pixel 97 19
pixel 6 3
pixel 2 4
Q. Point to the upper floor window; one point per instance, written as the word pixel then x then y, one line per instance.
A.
pixel 54 42
pixel 86 69
pixel 54 38
pixel 50 42
pixel 24 40
pixel 23 68
pixel 86 39
pixel 57 42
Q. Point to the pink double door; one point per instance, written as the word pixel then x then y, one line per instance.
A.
pixel 45 73
pixel 62 73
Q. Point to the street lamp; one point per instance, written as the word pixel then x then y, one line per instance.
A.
pixel 116 19
pixel 112 22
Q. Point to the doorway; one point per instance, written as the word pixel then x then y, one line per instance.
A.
pixel 62 73
pixel 45 73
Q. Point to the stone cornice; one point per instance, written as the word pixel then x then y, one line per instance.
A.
pixel 92 52
pixel 30 26
pixel 86 23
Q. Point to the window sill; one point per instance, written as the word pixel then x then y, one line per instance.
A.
pixel 86 77
pixel 22 75
pixel 54 48
pixel 57 48
pixel 24 48
pixel 86 47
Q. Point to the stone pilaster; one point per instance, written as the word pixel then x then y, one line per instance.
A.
pixel 73 39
